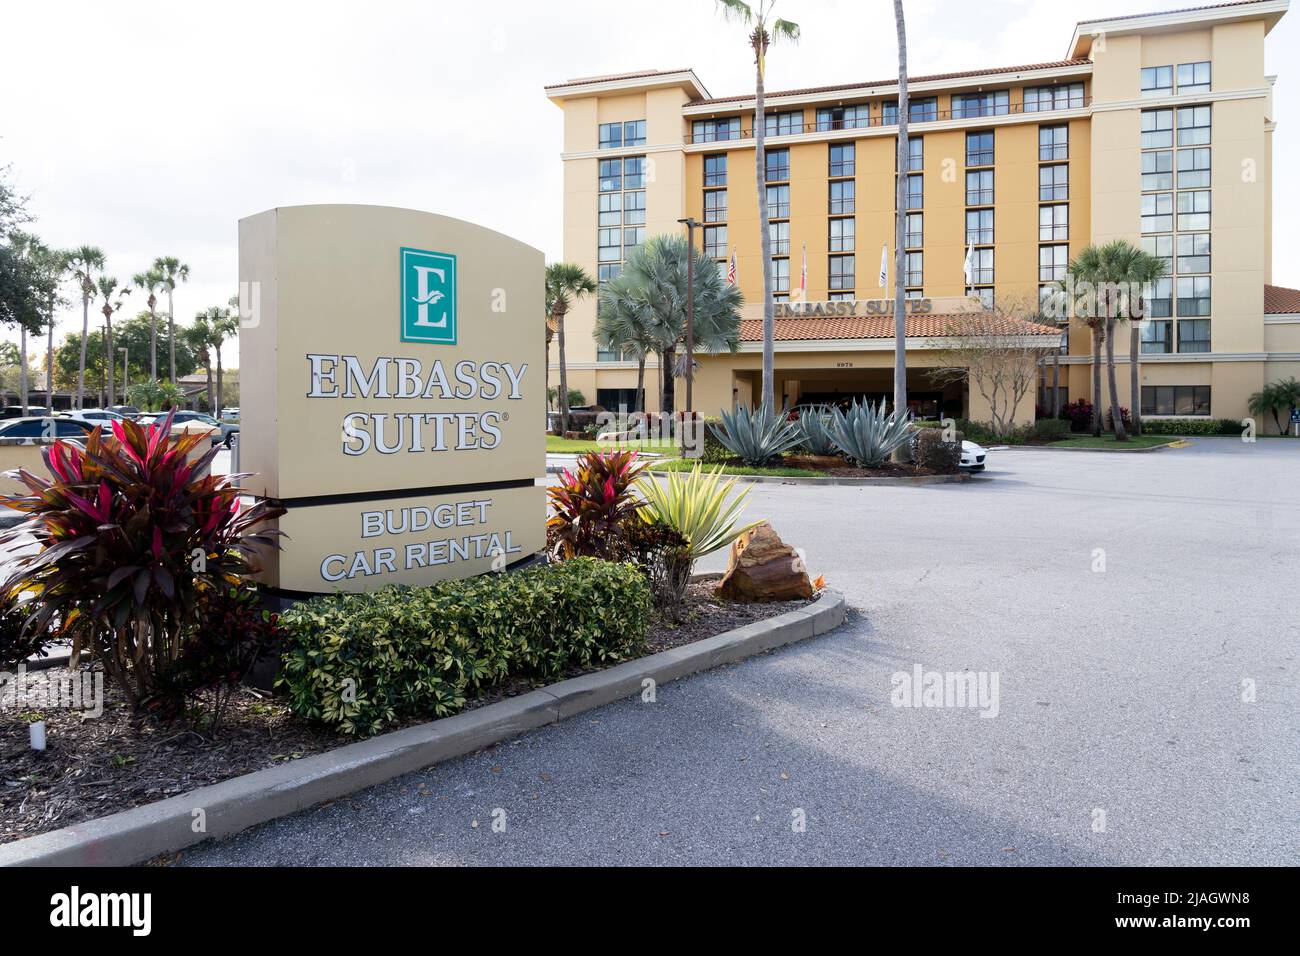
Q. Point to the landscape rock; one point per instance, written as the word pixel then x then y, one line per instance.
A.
pixel 764 568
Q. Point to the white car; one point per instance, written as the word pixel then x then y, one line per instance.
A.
pixel 972 456
pixel 95 416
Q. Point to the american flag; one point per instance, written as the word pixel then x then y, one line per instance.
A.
pixel 731 268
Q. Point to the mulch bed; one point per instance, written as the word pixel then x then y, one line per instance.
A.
pixel 837 467
pixel 95 767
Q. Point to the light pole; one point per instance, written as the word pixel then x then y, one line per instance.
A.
pixel 125 353
pixel 691 226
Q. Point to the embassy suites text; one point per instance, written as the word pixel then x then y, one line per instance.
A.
pixel 347 377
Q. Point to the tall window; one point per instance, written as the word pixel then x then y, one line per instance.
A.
pixel 1193 295
pixel 841 196
pixel 1053 223
pixel 778 202
pixel 1194 335
pixel 979 227
pixel 1194 210
pixel 780 275
pixel 1157 338
pixel 715 242
pixel 1157 80
pixel 842 160
pixel 979 187
pixel 1194 77
pixel 841 272
pixel 778 165
pixel 914 268
pixel 982 266
pixel 1052 262
pixel 979 148
pixel 1157 129
pixel 778 233
pixel 1193 252
pixel 1158 169
pixel 915 154
pixel 1162 247
pixel 1193 168
pixel 1193 125
pixel 715 205
pixel 1157 212
pixel 1053 183
pixel 915 191
pixel 914 234
pixel 841 235
pixel 621 210
pixel 1053 143
pixel 715 169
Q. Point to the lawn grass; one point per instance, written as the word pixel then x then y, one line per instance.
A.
pixel 1109 443
pixel 686 464
pixel 577 446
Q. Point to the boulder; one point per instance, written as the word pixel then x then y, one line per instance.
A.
pixel 764 568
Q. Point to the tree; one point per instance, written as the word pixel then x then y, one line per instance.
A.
pixel 565 284
pixel 84 262
pixel 1275 398
pixel 623 325
pixel 112 294
pixel 900 220
pixel 202 337
pixel 652 286
pixel 39 274
pixel 172 270
pixel 151 282
pixel 764 30
pixel 225 325
pixel 133 334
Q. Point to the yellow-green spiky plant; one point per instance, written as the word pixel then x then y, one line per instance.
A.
pixel 696 506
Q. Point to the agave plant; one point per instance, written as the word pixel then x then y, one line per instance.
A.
pixel 814 433
pixel 133 532
pixel 590 508
pixel 695 506
pixel 866 435
pixel 759 436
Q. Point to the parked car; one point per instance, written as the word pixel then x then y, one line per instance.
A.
pixel 185 421
pixel 18 411
pixel 95 416
pixel 44 427
pixel 972 456
pixel 230 413
pixel 126 411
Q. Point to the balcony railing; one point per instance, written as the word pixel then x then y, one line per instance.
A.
pixel 727 134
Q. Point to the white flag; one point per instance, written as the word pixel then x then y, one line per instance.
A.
pixel 884 266
pixel 969 265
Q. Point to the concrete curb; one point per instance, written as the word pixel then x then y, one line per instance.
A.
pixel 1107 451
pixel 830 480
pixel 142 833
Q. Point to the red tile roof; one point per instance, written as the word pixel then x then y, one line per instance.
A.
pixel 809 91
pixel 1279 300
pixel 820 328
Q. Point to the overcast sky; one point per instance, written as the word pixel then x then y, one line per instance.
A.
pixel 150 128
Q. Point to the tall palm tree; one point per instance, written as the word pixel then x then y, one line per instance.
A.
pixel 112 294
pixel 900 218
pixel 225 325
pixel 623 324
pixel 84 261
pixel 652 288
pixel 764 29
pixel 1088 266
pixel 200 337
pixel 565 284
pixel 151 282
pixel 172 271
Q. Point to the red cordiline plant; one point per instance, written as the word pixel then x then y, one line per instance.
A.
pixel 134 531
pixel 590 508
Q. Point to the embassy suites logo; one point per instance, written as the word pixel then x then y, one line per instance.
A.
pixel 428 296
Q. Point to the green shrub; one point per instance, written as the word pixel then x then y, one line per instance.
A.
pixel 360 662
pixel 590 508
pixel 1191 426
pixel 18 641
pixel 1050 429
pixel 715 453
pixel 866 435
pixel 931 452
pixel 756 437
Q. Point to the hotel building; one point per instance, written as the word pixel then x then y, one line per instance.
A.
pixel 1156 128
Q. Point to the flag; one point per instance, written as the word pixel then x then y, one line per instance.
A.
pixel 884 266
pixel 803 275
pixel 969 265
pixel 731 268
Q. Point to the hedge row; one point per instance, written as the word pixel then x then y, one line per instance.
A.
pixel 359 662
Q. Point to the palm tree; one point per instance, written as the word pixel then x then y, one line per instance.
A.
pixel 85 261
pixel 200 337
pixel 623 325
pixel 172 270
pixel 900 219
pixel 1276 396
pixel 225 325
pixel 1088 266
pixel 112 294
pixel 764 29
pixel 652 289
pixel 151 282
pixel 565 284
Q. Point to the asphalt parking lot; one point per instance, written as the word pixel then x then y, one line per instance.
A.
pixel 1121 735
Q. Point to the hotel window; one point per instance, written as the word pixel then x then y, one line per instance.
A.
pixel 979 148
pixel 1193 125
pixel 611 174
pixel 1194 210
pixel 1063 96
pixel 985 295
pixel 995 103
pixel 1158 169
pixel 607 271
pixel 979 187
pixel 634 133
pixel 979 227
pixel 715 205
pixel 844 117
pixel 611 209
pixel 914 230
pixel 914 294
pixel 1053 223
pixel 1193 296
pixel 1157 129
pixel 915 154
pixel 778 202
pixel 609 245
pixel 634 208
pixel 1161 303
pixel 842 157
pixel 1157 80
pixel 842 195
pixel 840 296
pixel 1053 183
pixel 1162 247
pixel 1193 252
pixel 633 237
pixel 1052 262
pixel 713 130
pixel 1194 335
pixel 1194 77
pixel 634 172
pixel 614 135
pixel 715 169
pixel 1194 168
pixel 1175 399
pixel 778 165
pixel 922 110
pixel 841 236
pixel 981 270
pixel 715 242
pixel 778 234
pixel 913 268
pixel 1158 212
pixel 1053 143
pixel 783 124
pixel 841 272
pixel 1157 338
pixel 915 191
pixel 780 275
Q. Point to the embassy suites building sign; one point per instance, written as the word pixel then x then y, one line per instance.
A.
pixel 392 394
